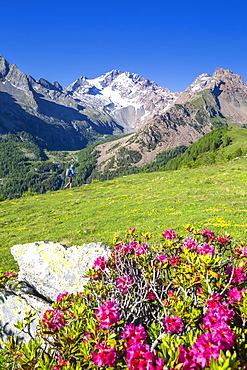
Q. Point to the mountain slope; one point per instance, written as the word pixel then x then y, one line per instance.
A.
pixel 47 111
pixel 211 197
pixel 218 146
pixel 208 103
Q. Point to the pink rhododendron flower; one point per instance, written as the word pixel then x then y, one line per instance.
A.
pixel 139 357
pixel 209 234
pixel 134 334
pixel 106 355
pixel 238 275
pixel 206 249
pixel 170 292
pixel 123 248
pixel 187 359
pixel 86 336
pixel 213 316
pixel 166 302
pixel 173 324
pixel 169 234
pixel 159 364
pixel 141 249
pixel 61 295
pixel 162 257
pixel 132 229
pixel 54 319
pixel 235 295
pixel 60 363
pixel 151 295
pixel 100 263
pixel 10 274
pixel 138 354
pixel 218 311
pixel 200 290
pixel 214 300
pixel 204 349
pixel 189 244
pixel 137 248
pixel 208 345
pixel 132 245
pixel 107 314
pixel 124 282
pixel 222 239
pixel 242 251
pixel 174 260
pixel 224 336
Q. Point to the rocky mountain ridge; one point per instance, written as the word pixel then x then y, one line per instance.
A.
pixel 209 102
pixel 46 111
pixel 69 118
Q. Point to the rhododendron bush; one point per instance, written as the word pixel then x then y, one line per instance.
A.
pixel 180 303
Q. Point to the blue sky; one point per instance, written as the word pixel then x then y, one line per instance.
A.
pixel 169 42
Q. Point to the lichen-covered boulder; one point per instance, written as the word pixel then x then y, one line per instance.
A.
pixel 45 270
pixel 52 268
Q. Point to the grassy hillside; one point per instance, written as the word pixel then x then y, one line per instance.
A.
pixel 213 197
pixel 220 145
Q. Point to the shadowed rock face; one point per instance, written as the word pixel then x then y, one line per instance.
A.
pixel 46 110
pixel 45 270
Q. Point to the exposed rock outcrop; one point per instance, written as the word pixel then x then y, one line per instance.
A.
pixel 45 270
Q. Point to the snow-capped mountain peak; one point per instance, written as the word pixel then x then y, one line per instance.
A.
pixel 128 97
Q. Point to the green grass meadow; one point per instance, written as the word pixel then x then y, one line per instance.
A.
pixel 213 197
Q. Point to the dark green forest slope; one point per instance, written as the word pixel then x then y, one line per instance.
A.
pixel 27 168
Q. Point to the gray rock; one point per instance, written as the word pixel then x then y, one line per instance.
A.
pixel 46 269
pixel 13 309
pixel 51 268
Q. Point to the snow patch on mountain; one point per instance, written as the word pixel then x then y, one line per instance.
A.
pixel 200 82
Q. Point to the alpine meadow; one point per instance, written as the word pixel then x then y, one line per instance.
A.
pixel 213 197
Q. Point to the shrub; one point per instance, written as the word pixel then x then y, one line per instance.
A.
pixel 180 303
